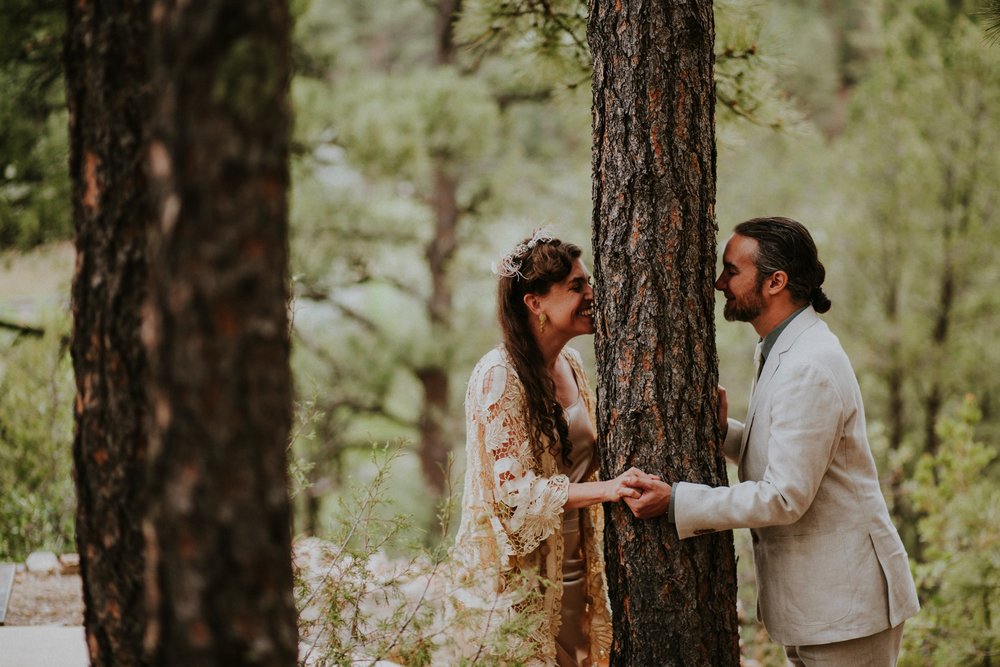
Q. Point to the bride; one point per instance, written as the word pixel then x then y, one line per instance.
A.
pixel 532 498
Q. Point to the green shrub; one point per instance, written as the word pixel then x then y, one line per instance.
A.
pixel 959 583
pixel 360 605
pixel 37 498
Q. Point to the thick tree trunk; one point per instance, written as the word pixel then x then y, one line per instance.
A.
pixel 218 541
pixel 186 561
pixel 107 76
pixel 674 603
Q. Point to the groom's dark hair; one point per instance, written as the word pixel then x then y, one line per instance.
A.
pixel 785 245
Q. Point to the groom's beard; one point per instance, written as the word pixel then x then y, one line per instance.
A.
pixel 746 308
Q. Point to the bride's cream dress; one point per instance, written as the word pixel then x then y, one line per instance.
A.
pixel 513 520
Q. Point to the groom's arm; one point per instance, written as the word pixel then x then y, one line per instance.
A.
pixel 806 423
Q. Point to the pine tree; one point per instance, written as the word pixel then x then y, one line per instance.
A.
pixel 179 134
pixel 654 243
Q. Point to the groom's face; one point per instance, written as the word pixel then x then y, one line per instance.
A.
pixel 739 281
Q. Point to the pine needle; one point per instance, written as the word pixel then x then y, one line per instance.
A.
pixel 991 15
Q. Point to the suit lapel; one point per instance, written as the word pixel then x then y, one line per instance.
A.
pixel 803 321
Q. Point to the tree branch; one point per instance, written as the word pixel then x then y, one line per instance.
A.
pixel 22 329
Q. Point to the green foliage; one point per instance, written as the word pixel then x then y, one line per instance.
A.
pixel 555 32
pixel 37 498
pixel 34 183
pixel 991 17
pixel 397 149
pixel 398 126
pixel 358 605
pixel 960 528
pixel 922 156
pixel 551 38
pixel 747 71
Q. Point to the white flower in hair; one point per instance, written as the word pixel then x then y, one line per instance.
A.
pixel 510 264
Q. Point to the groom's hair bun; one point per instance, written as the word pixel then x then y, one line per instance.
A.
pixel 786 245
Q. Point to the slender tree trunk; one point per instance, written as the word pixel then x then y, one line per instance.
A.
pixel 435 444
pixel 215 327
pixel 674 603
pixel 107 74
pixel 894 375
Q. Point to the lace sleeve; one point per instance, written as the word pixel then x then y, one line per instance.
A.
pixel 527 506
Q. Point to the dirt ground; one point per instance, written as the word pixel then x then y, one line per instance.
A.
pixel 45 599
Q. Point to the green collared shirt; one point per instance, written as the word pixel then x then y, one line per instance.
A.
pixel 772 337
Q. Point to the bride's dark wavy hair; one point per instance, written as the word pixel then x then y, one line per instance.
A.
pixel 542 266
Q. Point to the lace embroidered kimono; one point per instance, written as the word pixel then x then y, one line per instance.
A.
pixel 513 505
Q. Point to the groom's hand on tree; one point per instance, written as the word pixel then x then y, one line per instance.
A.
pixel 723 411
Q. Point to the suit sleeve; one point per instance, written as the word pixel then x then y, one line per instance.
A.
pixel 806 426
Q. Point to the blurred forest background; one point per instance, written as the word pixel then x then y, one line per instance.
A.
pixel 421 154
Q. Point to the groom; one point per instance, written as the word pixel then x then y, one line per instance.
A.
pixel 834 584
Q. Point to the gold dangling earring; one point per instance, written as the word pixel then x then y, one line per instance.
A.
pixel 541 322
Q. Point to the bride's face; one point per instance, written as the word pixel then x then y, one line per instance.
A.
pixel 568 305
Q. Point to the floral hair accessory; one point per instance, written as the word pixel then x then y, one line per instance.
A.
pixel 510 264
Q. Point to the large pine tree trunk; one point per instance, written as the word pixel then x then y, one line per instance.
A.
pixel 107 74
pixel 179 149
pixel 219 583
pixel 674 603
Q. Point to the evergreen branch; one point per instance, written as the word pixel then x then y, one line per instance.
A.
pixel 376 409
pixel 512 19
pixel 355 316
pixel 734 105
pixel 22 329
pixel 505 100
pixel 991 14
pixel 316 293
pixel 353 404
pixel 731 53
pixel 395 283
pixel 558 20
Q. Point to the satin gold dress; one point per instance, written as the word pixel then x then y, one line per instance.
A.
pixel 573 643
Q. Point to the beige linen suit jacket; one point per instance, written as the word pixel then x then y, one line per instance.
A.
pixel 830 564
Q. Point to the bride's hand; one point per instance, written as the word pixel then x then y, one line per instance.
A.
pixel 627 484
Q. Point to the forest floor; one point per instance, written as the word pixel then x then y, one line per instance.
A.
pixel 45 599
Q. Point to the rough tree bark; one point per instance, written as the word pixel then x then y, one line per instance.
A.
pixel 215 327
pixel 107 74
pixel 654 252
pixel 179 149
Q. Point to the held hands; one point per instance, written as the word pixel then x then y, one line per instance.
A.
pixel 654 498
pixel 654 494
pixel 624 485
pixel 648 495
